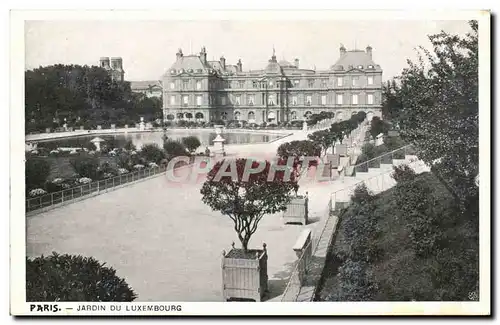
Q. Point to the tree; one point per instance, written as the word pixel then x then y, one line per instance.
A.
pixel 439 97
pixel 129 146
pixel 191 143
pixel 378 126
pixel 36 172
pixel 356 282
pixel 323 139
pixel 152 153
pixel 174 148
pixel 74 278
pixel 247 201
pixel 299 149
pixel 86 166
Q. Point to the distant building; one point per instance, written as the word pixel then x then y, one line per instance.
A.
pixel 114 67
pixel 199 89
pixel 148 88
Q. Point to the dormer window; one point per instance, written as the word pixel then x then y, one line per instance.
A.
pixel 199 70
pixel 370 67
pixel 360 67
pixel 190 70
pixel 182 71
pixel 172 71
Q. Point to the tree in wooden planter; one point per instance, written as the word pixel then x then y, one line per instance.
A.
pixel 297 210
pixel 246 190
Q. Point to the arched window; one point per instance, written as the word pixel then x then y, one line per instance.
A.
pixel 307 114
pixel 251 116
pixel 189 115
pixel 224 115
pixel 170 117
pixel 237 116
pixel 198 116
pixel 294 115
pixel 180 115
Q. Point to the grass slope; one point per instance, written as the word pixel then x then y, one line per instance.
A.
pixel 399 273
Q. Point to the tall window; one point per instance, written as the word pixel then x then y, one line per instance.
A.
pixel 251 100
pixel 355 99
pixel 255 84
pixel 223 100
pixel 294 100
pixel 198 85
pixel 324 83
pixel 296 83
pixel 308 100
pixel 185 100
pixel 370 99
pixel 310 83
pixel 370 80
pixel 172 85
pixel 294 115
pixel 354 81
pixel 242 84
pixel 185 84
pixel 340 99
pixel 340 81
pixel 237 100
pixel 323 99
pixel 271 100
pixel 198 100
pixel 172 100
pixel 251 116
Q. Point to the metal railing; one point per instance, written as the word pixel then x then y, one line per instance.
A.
pixel 375 184
pixel 302 265
pixel 54 198
pixel 385 158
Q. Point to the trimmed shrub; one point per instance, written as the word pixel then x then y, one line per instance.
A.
pixel 36 172
pixel 191 143
pixel 74 278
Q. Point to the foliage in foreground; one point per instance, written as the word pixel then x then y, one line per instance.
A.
pixel 74 278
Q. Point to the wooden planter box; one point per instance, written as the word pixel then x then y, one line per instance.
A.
pixel 297 210
pixel 244 277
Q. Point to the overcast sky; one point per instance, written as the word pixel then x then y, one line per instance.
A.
pixel 148 47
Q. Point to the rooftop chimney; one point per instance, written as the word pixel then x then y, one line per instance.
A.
pixel 239 65
pixel 296 62
pixel 369 51
pixel 223 62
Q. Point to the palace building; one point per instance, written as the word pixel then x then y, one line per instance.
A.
pixel 197 89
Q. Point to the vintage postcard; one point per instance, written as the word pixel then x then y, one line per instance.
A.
pixel 299 163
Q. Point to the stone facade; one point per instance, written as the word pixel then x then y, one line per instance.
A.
pixel 197 89
pixel 114 67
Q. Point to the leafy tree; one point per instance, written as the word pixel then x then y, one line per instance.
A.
pixel 74 278
pixel 36 172
pixel 86 166
pixel 246 200
pixel 378 126
pixel 299 149
pixel 152 153
pixel 391 103
pixel 174 148
pixel 191 143
pixel 403 173
pixel 323 139
pixel 439 99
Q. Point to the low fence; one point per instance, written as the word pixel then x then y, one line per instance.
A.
pixel 302 266
pixel 51 199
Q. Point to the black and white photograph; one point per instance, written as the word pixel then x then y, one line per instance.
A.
pixel 173 160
